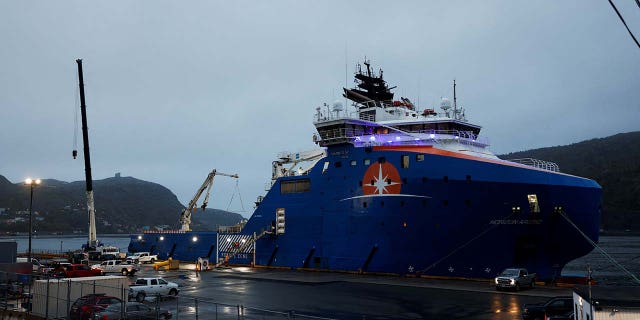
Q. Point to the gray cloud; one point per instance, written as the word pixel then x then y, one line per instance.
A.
pixel 175 89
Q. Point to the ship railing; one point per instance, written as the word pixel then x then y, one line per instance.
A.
pixel 359 137
pixel 232 229
pixel 229 229
pixel 338 135
pixel 367 117
pixel 536 163
pixel 327 115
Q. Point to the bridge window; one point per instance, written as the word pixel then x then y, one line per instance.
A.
pixel 404 161
pixel 295 186
pixel 354 163
pixel 367 162
pixel 419 157
pixel 533 203
pixel 338 164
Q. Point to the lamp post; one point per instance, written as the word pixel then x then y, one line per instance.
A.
pixel 31 183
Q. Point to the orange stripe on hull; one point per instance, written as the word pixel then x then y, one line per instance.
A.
pixel 440 152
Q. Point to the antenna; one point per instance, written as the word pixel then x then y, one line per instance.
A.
pixel 454 98
pixel 345 70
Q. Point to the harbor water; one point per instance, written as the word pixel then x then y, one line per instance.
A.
pixel 64 243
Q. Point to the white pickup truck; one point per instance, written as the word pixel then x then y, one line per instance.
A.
pixel 152 287
pixel 116 266
pixel 142 257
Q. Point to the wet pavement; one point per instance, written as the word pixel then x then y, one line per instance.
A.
pixel 219 293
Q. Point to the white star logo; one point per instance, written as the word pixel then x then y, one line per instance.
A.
pixel 381 182
pixel 411 269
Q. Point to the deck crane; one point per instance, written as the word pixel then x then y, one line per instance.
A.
pixel 185 216
pixel 292 160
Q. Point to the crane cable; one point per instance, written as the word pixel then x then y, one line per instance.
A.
pixel 595 245
pixel 623 22
pixel 237 190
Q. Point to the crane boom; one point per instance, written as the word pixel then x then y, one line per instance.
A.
pixel 185 216
pixel 92 242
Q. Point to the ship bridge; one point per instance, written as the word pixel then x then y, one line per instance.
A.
pixel 395 123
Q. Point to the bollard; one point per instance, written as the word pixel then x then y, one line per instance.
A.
pixel 177 308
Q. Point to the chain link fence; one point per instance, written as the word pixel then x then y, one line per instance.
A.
pixel 98 298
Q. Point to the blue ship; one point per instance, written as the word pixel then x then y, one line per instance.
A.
pixel 391 189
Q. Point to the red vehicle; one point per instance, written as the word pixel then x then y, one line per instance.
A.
pixel 86 306
pixel 78 270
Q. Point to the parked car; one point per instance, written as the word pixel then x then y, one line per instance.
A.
pixel 142 257
pixel 36 265
pixel 116 266
pixel 54 266
pixel 515 278
pixel 85 306
pixel 134 310
pixel 553 307
pixel 77 270
pixel 151 287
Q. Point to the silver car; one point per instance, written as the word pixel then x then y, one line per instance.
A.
pixel 134 310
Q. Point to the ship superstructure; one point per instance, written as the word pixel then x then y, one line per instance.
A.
pixel 394 189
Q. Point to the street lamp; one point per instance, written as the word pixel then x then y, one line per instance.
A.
pixel 31 182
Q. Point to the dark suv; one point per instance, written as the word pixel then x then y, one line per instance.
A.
pixel 85 306
pixel 553 307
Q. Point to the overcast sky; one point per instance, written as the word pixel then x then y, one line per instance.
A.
pixel 177 88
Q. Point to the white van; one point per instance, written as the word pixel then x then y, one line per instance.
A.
pixel 34 262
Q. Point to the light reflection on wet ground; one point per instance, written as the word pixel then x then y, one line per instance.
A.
pixel 221 294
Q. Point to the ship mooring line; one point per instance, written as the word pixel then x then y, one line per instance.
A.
pixel 595 245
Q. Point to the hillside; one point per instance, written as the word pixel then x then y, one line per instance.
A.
pixel 123 205
pixel 126 204
pixel 614 162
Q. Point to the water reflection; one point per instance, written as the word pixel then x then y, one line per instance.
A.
pixel 505 307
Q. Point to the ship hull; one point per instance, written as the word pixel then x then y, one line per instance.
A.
pixel 445 215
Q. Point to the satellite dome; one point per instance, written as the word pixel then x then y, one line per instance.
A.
pixel 445 104
pixel 337 105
